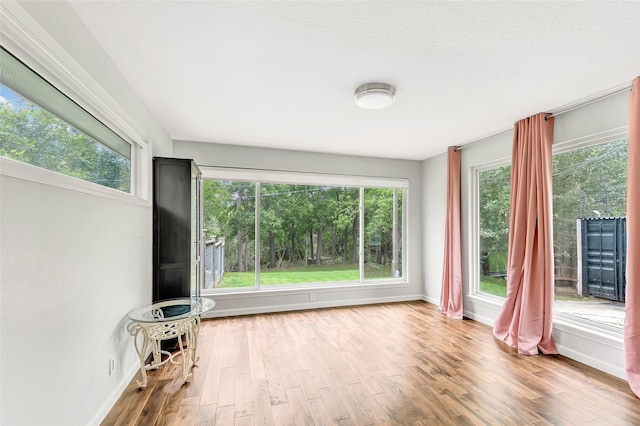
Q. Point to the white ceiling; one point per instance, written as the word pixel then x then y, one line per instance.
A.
pixel 281 74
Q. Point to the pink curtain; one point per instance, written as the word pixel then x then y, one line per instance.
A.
pixel 524 322
pixel 632 299
pixel 451 297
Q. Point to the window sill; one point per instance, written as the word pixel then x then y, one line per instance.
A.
pixel 241 293
pixel 27 172
pixel 594 331
pixel 597 332
pixel 488 300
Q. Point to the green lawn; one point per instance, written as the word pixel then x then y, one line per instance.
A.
pixel 498 287
pixel 303 274
pixel 497 261
pixel 493 285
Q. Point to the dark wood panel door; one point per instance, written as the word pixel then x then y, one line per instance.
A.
pixel 175 229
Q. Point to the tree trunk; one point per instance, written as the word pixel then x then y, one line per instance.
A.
pixel 293 248
pixel 345 237
pixel 240 250
pixel 272 250
pixel 301 248
pixel 334 242
pixel 311 243
pixel 354 246
pixel 246 253
pixel 319 249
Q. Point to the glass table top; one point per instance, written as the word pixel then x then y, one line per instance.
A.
pixel 172 310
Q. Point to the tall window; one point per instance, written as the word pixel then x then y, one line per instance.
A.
pixel 229 212
pixel 382 229
pixel 305 234
pixel 494 184
pixel 589 205
pixel 40 126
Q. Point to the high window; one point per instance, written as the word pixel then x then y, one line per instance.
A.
pixel 278 233
pixel 41 126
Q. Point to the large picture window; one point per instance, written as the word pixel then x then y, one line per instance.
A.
pixel 42 127
pixel 279 234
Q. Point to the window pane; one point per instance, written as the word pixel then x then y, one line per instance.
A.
pixel 494 229
pixel 35 136
pixel 229 223
pixel 589 204
pixel 382 233
pixel 308 234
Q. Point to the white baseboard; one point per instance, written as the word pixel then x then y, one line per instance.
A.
pixel 217 313
pixel 117 392
pixel 431 300
pixel 480 318
pixel 598 364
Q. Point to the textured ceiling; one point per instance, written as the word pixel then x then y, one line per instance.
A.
pixel 282 74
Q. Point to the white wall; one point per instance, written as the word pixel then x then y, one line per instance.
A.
pixel 277 300
pixel 434 182
pixel 72 263
pixel 601 349
pixel 72 266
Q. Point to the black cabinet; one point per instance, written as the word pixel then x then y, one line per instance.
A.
pixel 177 228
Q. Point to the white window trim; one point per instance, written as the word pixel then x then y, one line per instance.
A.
pixel 300 178
pixel 33 46
pixel 259 176
pixel 474 241
pixel 590 140
pixel 27 172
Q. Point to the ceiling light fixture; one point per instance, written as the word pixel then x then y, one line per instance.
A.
pixel 375 95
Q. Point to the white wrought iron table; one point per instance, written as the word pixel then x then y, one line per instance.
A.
pixel 168 319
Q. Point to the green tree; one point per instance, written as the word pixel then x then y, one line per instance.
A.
pixel 587 182
pixel 494 194
pixel 35 136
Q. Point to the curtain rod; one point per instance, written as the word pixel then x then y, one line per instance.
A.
pixel 555 114
pixel 580 105
pixel 467 145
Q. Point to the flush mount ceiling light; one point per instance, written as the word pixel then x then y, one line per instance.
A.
pixel 375 95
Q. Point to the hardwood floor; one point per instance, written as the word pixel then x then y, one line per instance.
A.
pixel 392 364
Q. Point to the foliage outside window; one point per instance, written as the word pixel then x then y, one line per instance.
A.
pixel 41 126
pixel 382 247
pixel 494 202
pixel 308 233
pixel 588 183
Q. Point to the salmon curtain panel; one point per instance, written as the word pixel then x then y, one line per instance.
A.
pixel 632 299
pixel 524 322
pixel 451 296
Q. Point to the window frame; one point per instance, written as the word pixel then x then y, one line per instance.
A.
pixel 567 320
pixel 47 59
pixel 265 176
pixel 474 246
pixel 562 321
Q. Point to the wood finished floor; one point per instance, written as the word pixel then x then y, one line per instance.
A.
pixel 392 364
